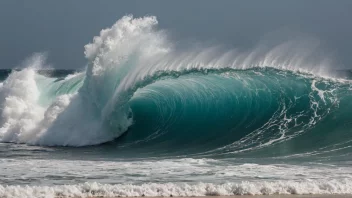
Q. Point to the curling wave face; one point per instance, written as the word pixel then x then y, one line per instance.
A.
pixel 141 91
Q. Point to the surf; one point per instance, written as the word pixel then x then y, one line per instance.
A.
pixel 141 92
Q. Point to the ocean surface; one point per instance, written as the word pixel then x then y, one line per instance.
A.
pixel 143 119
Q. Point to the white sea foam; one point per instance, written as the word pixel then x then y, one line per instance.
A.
pixel 164 177
pixel 192 171
pixel 181 189
pixel 20 112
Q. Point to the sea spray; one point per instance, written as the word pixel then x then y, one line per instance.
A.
pixel 249 99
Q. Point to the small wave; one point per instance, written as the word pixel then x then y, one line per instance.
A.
pixel 172 189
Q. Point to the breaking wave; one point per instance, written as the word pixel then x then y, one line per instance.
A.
pixel 141 91
pixel 169 189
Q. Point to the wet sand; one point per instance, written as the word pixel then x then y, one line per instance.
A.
pixel 264 196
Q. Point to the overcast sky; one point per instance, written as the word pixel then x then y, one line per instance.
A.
pixel 62 28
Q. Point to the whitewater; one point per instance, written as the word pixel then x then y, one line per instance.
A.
pixel 147 117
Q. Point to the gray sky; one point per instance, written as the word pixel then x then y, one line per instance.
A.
pixel 63 27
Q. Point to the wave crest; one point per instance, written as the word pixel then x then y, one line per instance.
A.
pixel 97 105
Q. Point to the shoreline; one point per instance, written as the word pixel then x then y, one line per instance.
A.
pixel 254 196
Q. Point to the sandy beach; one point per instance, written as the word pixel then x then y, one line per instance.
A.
pixel 267 196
